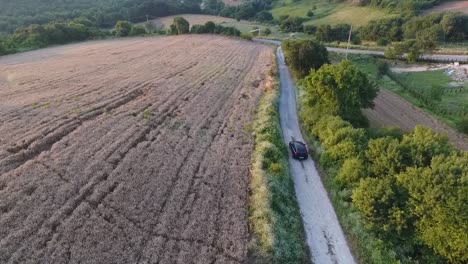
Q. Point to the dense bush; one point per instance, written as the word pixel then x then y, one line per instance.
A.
pixel 327 33
pixel 211 28
pixel 462 125
pixel 411 191
pixel 123 28
pixel 304 55
pixel 341 90
pixel 428 28
pixel 291 24
pixel 103 13
pixel 56 32
pixel 180 26
pixel 249 10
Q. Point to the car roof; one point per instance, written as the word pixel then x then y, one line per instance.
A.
pixel 298 143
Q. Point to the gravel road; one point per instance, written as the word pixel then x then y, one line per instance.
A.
pixel 324 235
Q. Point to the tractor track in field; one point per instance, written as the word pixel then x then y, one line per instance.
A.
pixel 128 151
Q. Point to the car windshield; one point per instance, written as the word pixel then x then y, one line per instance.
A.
pixel 300 148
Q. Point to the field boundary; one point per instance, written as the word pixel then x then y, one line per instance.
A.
pixel 274 217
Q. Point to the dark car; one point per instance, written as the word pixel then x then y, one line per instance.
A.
pixel 298 149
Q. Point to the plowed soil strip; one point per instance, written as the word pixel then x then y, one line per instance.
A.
pixel 392 111
pixel 128 151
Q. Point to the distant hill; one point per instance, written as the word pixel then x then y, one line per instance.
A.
pixel 104 13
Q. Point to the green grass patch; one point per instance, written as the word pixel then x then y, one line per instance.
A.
pixel 328 13
pixel 274 216
pixel 424 80
pixel 354 15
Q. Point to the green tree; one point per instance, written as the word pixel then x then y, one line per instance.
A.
pixel 341 89
pixel 123 28
pixel 180 26
pixel 383 204
pixel 266 32
pixel 423 144
pixel 137 31
pixel 210 27
pixel 304 55
pixel 438 198
pixel 385 156
pixel 351 172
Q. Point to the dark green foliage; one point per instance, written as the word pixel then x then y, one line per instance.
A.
pixel 304 55
pixel 57 32
pixel 123 28
pixel 263 16
pixel 214 6
pixel 291 24
pixel 137 31
pixel 341 90
pixel 211 28
pixel 310 13
pixel 180 26
pixel 462 124
pixel 249 10
pixel 309 29
pixel 428 29
pixel 383 42
pixel 403 6
pixel 382 68
pixel 327 33
pixel 387 28
pixel 265 32
pixel 412 48
pixel 102 13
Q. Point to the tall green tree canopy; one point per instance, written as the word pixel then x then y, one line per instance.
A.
pixel 304 55
pixel 180 26
pixel 341 89
pixel 439 199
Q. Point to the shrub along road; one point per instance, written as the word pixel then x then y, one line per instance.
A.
pixel 324 235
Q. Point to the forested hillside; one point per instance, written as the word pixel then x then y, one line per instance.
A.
pixel 104 13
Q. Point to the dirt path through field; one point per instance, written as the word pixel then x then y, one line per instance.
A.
pixel 128 151
pixel 393 111
pixel 451 6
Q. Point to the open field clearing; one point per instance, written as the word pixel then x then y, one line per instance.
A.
pixel 392 111
pixel 128 151
pixel 328 13
pixel 452 6
pixel 243 25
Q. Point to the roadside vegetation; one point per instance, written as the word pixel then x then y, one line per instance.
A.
pixel 401 198
pixel 274 214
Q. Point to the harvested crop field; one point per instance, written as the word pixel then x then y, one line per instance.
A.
pixel 392 111
pixel 128 151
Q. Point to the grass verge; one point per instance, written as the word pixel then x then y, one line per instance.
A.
pixel 274 217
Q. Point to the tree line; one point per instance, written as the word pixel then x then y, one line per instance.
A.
pixel 103 13
pixel 410 190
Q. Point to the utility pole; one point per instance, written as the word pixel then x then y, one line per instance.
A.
pixel 349 40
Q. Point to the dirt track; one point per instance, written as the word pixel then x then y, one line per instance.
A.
pixel 451 6
pixel 128 151
pixel 391 110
